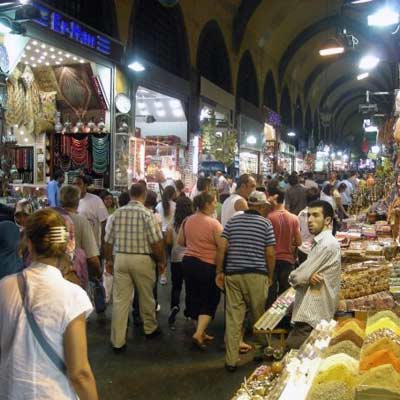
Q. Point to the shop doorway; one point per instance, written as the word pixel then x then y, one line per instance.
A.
pixel 58 113
pixel 158 151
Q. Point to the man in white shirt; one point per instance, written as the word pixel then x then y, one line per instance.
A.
pixel 317 280
pixel 238 201
pixel 346 195
pixel 310 182
pixel 92 208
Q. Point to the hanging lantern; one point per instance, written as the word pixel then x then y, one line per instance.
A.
pixel 364 146
pixel 168 3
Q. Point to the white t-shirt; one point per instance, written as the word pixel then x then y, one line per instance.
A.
pixel 93 209
pixel 178 251
pixel 165 221
pixel 228 208
pixel 26 372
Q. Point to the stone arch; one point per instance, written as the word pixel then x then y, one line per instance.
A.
pixel 298 117
pixel 270 92
pixel 247 83
pixel 285 108
pixel 163 43
pixel 212 56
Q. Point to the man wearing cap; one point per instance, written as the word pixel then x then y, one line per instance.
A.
pixel 248 243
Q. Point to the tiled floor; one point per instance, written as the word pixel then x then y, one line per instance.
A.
pixel 163 368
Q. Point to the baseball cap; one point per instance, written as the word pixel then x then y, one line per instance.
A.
pixel 257 198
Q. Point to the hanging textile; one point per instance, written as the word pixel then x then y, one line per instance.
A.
pixel 16 99
pixel 100 154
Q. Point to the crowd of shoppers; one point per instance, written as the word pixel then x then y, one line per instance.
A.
pixel 249 241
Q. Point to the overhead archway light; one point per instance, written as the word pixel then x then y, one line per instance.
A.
pixel 331 48
pixel 368 62
pixel 362 76
pixel 291 134
pixel 137 66
pixel 360 1
pixel 384 17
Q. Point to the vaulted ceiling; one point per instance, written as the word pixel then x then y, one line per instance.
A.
pixel 296 29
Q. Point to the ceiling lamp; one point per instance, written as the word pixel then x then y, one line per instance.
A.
pixel 136 66
pixel 362 76
pixel 291 134
pixel 360 1
pixel 331 47
pixel 384 17
pixel 368 62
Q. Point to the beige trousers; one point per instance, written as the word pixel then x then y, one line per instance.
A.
pixel 243 291
pixel 132 270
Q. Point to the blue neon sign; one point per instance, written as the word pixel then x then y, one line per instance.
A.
pixel 73 30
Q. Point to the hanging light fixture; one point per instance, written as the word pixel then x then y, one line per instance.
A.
pixel 331 47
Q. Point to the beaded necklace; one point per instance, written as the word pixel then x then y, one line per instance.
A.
pixel 100 152
pixel 79 153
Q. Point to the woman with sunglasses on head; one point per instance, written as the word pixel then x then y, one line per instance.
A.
pixel 43 347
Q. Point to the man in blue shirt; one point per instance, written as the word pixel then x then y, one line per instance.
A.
pixel 53 188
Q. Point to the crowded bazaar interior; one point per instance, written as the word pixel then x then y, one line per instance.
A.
pixel 200 206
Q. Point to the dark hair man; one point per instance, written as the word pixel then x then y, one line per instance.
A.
pixel 295 197
pixel 137 239
pixel 287 235
pixel 53 188
pixel 238 201
pixel 317 280
pixel 248 241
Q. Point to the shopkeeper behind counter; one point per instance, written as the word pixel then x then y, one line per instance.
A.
pixel 317 280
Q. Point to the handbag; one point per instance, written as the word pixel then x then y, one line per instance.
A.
pixel 37 332
pixel 99 297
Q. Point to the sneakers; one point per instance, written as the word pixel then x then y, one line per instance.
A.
pixel 230 368
pixel 119 350
pixel 172 317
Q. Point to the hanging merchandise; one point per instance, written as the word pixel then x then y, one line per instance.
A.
pixel 364 146
pixel 16 99
pixel 100 154
pixel 65 163
pixel 79 152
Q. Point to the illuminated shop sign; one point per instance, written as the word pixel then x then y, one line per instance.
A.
pixel 76 32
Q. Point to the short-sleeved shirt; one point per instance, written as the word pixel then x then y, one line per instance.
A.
pixel 248 235
pixel 165 220
pixel 178 251
pixel 26 372
pixel 133 229
pixel 93 209
pixel 84 236
pixel 199 230
pixel 286 225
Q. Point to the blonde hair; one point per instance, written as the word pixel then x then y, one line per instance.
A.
pixel 39 230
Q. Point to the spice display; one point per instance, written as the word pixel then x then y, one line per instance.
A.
pixel 348 335
pixel 331 391
pixel 364 279
pixel 344 322
pixel 382 381
pixel 383 343
pixel 345 347
pixel 383 323
pixel 352 326
pixel 378 301
pixel 380 357
pixel 384 314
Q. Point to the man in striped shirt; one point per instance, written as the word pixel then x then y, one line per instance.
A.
pixel 317 280
pixel 248 240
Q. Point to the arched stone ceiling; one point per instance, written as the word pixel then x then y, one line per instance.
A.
pixel 294 30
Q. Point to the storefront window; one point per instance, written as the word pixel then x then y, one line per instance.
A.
pixel 58 113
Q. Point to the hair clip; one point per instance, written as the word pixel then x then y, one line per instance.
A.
pixel 58 235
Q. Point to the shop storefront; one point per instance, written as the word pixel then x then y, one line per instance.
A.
pixel 158 147
pixel 218 138
pixel 250 123
pixel 59 110
pixel 286 157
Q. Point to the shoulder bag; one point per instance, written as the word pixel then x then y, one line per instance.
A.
pixel 37 332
